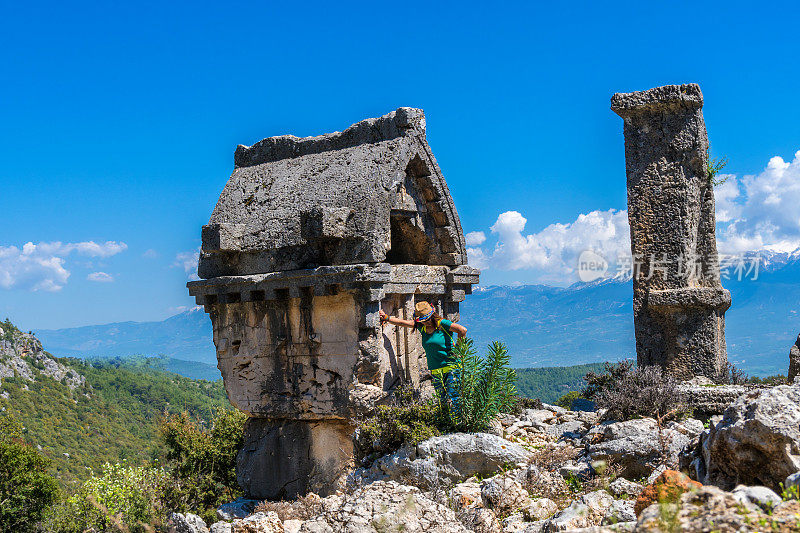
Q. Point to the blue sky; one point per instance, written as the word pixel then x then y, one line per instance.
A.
pixel 120 121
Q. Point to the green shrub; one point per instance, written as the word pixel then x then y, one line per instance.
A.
pixel 406 421
pixel 566 400
pixel 26 489
pixel 122 497
pixel 484 387
pixel 627 392
pixel 714 167
pixel 202 460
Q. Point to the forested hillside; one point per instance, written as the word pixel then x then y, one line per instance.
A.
pixel 550 383
pixel 109 415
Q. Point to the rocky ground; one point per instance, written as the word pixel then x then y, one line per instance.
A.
pixel 550 469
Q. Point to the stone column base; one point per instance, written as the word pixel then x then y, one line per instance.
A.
pixel 282 459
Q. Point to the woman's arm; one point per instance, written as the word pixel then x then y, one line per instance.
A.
pixel 396 320
pixel 461 330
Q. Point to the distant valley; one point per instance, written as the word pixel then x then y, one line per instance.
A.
pixel 542 325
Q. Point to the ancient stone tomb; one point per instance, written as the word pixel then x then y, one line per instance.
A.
pixel 309 238
pixel 678 301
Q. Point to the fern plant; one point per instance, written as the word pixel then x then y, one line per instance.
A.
pixel 483 387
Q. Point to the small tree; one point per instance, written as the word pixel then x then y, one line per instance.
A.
pixel 202 459
pixel 484 387
pixel 26 489
pixel 121 498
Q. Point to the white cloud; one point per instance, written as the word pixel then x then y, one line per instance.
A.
pixel 759 212
pixel 188 262
pixel 150 254
pixel 553 252
pixel 753 213
pixel 100 277
pixel 42 266
pixel 475 238
pixel 477 258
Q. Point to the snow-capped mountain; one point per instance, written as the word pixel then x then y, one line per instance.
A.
pixel 542 325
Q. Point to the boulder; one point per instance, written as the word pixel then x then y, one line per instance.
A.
pixel 446 459
pixel 668 487
pixel 757 442
pixel 794 360
pixel 636 447
pixel 188 523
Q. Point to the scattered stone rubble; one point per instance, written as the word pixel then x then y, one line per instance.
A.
pixel 487 483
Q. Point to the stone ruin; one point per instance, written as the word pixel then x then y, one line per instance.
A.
pixel 309 239
pixel 678 301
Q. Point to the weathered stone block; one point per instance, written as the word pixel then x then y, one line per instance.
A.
pixel 678 301
pixel 309 240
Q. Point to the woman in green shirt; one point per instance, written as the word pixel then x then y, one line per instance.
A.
pixel 437 340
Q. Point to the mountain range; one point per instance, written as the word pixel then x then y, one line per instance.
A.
pixel 541 325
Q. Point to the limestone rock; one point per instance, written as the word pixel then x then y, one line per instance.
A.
pixel 758 440
pixel 792 480
pixel 708 399
pixel 221 527
pixel 504 494
pixel 540 509
pixel 620 511
pixel 21 352
pixel 480 520
pixel 292 525
pixel 188 523
pixel 794 360
pixel 573 517
pixel 465 495
pixel 763 497
pixel 384 506
pixel 587 511
pixel 258 523
pixel 621 487
pixel 446 459
pixel 712 509
pixel 635 446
